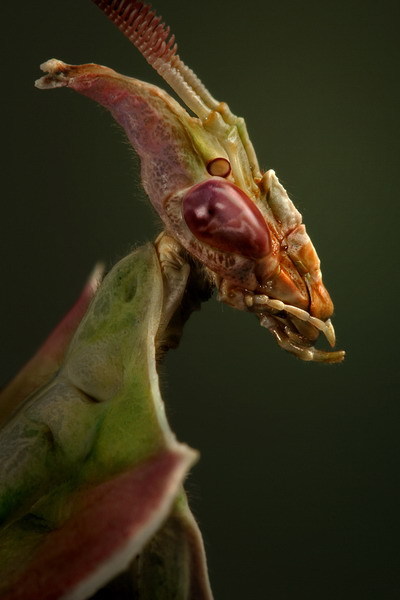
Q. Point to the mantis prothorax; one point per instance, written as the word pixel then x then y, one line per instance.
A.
pixel 202 176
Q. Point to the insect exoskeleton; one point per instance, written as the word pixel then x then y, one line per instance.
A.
pixel 202 176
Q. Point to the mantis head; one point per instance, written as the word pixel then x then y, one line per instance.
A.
pixel 201 173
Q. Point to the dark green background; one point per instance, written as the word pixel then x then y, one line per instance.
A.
pixel 297 488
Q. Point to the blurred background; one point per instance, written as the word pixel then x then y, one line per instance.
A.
pixel 297 488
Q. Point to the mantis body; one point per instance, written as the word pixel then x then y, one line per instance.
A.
pixel 202 176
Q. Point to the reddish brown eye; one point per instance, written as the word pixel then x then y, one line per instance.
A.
pixel 220 214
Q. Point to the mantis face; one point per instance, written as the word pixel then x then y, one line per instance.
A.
pixel 203 178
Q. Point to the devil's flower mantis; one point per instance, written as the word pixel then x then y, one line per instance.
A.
pixel 202 176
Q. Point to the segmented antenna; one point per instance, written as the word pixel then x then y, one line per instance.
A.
pixel 141 25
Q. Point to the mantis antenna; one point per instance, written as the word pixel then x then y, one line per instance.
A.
pixel 152 38
pixel 145 29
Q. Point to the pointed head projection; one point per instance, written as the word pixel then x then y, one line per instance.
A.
pixel 202 176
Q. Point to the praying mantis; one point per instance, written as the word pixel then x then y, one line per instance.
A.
pixel 201 174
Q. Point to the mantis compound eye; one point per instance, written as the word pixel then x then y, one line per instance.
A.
pixel 220 167
pixel 220 214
